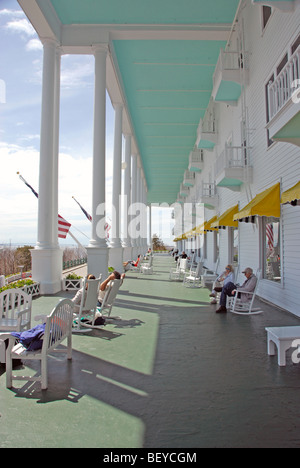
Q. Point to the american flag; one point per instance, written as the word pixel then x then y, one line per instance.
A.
pixel 106 227
pixel 63 226
pixel 270 236
pixel 84 211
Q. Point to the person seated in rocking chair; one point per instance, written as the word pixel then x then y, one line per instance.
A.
pixel 226 277
pixel 231 290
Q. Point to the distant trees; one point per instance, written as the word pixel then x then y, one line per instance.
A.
pixel 12 258
pixel 158 243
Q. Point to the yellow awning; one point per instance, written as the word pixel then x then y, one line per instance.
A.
pixel 199 229
pixel 266 203
pixel 226 219
pixel 207 226
pixel 291 195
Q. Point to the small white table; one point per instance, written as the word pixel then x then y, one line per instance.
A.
pixel 283 338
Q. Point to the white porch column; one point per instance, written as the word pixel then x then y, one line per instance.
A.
pixel 127 200
pixel 47 256
pixel 132 232
pixel 97 250
pixel 150 226
pixel 116 249
pixel 138 200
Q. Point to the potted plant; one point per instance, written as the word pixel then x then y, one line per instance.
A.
pixel 72 282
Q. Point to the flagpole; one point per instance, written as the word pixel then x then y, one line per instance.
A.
pixel 76 240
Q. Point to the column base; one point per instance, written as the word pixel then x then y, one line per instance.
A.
pixel 97 261
pixel 47 269
pixel 116 258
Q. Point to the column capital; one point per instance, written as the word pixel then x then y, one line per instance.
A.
pixel 100 48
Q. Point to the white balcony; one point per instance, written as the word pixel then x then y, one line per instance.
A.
pixel 196 161
pixel 232 71
pixel 284 103
pixel 234 167
pixel 207 195
pixel 207 134
pixel 189 179
pixel 184 191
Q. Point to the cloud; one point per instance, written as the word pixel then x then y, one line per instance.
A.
pixel 34 45
pixel 21 26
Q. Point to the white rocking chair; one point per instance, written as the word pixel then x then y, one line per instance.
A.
pixel 58 328
pixel 193 277
pixel 88 305
pixel 240 307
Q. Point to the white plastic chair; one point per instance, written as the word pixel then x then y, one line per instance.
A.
pixel 147 268
pixel 193 277
pixel 58 328
pixel 15 310
pixel 176 274
pixel 88 305
pixel 110 296
pixel 240 307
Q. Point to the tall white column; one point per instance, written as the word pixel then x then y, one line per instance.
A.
pixel 116 183
pixel 150 226
pixel 116 249
pixel 97 249
pixel 127 199
pixel 47 256
pixel 132 232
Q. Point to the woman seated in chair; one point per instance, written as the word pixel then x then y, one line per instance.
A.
pixel 226 277
pixel 231 289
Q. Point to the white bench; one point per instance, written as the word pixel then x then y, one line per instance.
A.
pixel 283 338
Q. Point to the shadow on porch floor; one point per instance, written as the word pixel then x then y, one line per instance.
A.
pixel 169 374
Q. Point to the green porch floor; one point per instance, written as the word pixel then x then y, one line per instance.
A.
pixel 169 374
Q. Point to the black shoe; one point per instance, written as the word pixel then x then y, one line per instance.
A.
pixel 221 310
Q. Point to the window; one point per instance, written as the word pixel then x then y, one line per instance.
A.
pixel 216 245
pixel 271 249
pixel 295 45
pixel 233 246
pixel 282 64
pixel 266 14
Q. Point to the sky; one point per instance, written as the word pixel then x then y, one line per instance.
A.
pixel 21 63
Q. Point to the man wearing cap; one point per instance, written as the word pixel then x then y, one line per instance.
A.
pixel 230 289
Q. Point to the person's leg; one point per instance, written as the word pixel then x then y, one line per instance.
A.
pixel 226 291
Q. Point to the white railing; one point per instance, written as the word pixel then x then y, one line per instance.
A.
pixel 208 190
pixel 233 156
pixel 189 178
pixel 285 85
pixel 231 61
pixel 208 123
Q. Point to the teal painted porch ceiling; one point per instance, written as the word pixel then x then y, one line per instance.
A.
pixel 167 84
pixel 145 11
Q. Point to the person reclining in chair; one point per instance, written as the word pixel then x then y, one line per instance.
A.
pixel 128 265
pixel 230 289
pixel 77 298
pixel 115 275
